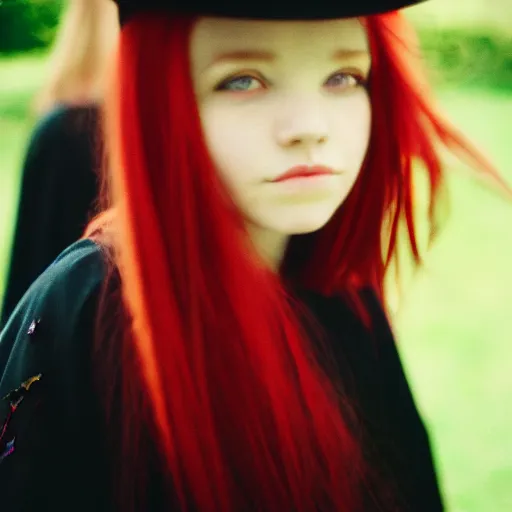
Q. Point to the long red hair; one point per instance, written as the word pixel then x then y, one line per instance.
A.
pixel 245 417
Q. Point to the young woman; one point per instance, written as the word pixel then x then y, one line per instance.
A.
pixel 59 178
pixel 218 340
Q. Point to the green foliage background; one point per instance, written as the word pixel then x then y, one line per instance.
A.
pixel 28 24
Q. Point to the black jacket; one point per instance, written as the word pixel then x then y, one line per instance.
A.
pixel 53 448
pixel 58 187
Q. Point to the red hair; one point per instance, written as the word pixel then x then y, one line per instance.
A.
pixel 245 417
pixel 360 242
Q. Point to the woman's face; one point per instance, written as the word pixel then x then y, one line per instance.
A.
pixel 274 96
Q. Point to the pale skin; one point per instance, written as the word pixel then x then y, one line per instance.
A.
pixel 273 95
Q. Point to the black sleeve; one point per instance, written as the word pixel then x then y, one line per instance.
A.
pixel 400 436
pixel 51 443
pixel 363 356
pixel 58 187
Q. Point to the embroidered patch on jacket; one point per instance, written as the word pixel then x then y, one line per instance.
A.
pixel 15 398
pixel 33 328
pixel 8 450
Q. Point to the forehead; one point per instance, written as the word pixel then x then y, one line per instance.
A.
pixel 213 35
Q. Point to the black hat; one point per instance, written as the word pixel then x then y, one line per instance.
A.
pixel 264 9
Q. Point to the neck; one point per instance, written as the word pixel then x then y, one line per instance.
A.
pixel 270 245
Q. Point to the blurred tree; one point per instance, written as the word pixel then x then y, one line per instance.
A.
pixel 27 24
pixel 488 15
pixel 474 56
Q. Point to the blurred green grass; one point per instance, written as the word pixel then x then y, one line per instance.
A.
pixel 21 78
pixel 454 327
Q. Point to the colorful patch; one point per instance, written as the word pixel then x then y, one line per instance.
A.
pixel 32 328
pixel 8 450
pixel 19 393
pixel 15 398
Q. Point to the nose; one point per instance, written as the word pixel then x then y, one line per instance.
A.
pixel 301 123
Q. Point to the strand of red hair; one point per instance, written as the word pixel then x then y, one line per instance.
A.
pixel 246 418
pixel 360 242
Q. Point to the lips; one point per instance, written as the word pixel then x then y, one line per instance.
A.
pixel 304 171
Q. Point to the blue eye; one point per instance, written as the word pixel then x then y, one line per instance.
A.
pixel 343 80
pixel 240 83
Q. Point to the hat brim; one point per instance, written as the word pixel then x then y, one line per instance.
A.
pixel 264 9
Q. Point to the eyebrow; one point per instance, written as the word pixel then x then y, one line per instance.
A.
pixel 261 55
pixel 349 53
pixel 244 55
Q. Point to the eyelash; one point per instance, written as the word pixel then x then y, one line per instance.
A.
pixel 359 79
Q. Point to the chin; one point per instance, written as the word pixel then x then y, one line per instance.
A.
pixel 305 229
pixel 297 220
pixel 303 226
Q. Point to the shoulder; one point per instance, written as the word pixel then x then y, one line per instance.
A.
pixel 63 139
pixel 66 283
pixel 63 126
pixel 49 313
pixel 48 397
pixel 63 117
